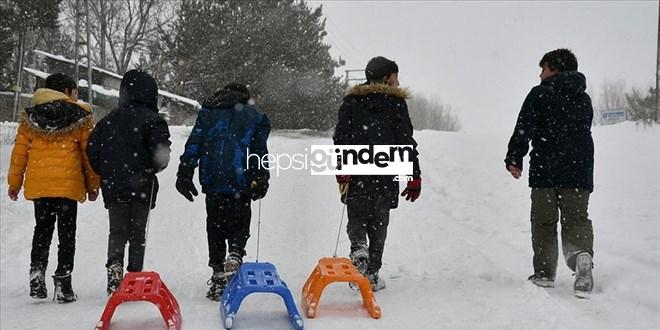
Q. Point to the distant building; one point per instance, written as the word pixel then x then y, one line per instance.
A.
pixel 105 87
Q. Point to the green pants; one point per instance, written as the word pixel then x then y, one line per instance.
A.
pixel 577 234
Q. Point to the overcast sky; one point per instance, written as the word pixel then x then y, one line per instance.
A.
pixel 481 57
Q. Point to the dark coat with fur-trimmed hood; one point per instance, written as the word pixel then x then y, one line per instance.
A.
pixel 375 114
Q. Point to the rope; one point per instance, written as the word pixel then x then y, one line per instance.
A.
pixel 341 222
pixel 146 229
pixel 259 230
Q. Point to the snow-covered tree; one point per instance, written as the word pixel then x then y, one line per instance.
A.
pixel 275 47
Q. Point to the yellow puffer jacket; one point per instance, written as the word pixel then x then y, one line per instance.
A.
pixel 50 149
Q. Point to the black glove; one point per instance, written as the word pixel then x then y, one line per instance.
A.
pixel 184 182
pixel 259 186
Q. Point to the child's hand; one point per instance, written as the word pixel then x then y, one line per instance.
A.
pixel 515 171
pixel 13 194
pixel 92 195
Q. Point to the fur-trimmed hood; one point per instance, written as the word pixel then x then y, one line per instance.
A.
pixel 54 113
pixel 366 89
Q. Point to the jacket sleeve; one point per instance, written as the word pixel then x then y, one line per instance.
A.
pixel 158 141
pixel 92 180
pixel 523 132
pixel 93 148
pixel 403 131
pixel 259 146
pixel 19 157
pixel 192 151
pixel 343 133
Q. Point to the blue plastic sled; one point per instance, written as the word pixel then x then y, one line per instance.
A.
pixel 253 277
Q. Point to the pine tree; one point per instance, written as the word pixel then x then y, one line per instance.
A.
pixel 275 47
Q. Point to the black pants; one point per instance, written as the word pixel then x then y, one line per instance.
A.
pixel 128 222
pixel 47 211
pixel 227 224
pixel 369 219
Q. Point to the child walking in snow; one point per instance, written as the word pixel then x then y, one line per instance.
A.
pixel 374 113
pixel 556 117
pixel 49 160
pixel 228 129
pixel 127 148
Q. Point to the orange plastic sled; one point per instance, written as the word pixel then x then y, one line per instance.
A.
pixel 330 270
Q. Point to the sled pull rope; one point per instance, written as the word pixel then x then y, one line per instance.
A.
pixel 146 229
pixel 341 222
pixel 258 230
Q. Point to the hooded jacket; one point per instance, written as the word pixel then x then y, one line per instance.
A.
pixel 226 131
pixel 556 117
pixel 49 155
pixel 131 144
pixel 375 114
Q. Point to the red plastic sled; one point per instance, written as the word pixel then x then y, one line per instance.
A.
pixel 143 286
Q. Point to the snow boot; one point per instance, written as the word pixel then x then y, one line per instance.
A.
pixel 542 279
pixel 377 283
pixel 584 281
pixel 232 264
pixel 217 283
pixel 63 290
pixel 359 259
pixel 38 283
pixel 115 275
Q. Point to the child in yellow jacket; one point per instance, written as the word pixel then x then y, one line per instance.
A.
pixel 50 162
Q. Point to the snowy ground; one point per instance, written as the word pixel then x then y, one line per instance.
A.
pixel 458 258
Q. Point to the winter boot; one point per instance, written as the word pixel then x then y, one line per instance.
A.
pixel 217 283
pixel 584 281
pixel 115 275
pixel 63 290
pixel 38 283
pixel 360 259
pixel 542 279
pixel 377 283
pixel 232 264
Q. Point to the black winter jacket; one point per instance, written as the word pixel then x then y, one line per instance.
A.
pixel 129 146
pixel 375 114
pixel 556 116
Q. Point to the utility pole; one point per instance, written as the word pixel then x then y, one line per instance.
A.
pixel 657 73
pixel 86 49
pixel 89 57
pixel 19 74
pixel 76 75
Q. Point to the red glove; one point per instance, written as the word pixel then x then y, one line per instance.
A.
pixel 92 195
pixel 413 189
pixel 343 178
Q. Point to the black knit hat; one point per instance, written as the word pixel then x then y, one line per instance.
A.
pixel 380 67
pixel 241 89
pixel 138 88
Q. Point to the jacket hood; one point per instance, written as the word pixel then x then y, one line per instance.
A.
pixel 568 82
pixel 53 112
pixel 138 88
pixel 225 98
pixel 378 97
pixel 365 89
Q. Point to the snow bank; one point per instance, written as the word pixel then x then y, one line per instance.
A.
pixel 458 258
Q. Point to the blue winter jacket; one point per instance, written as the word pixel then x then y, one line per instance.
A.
pixel 225 133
